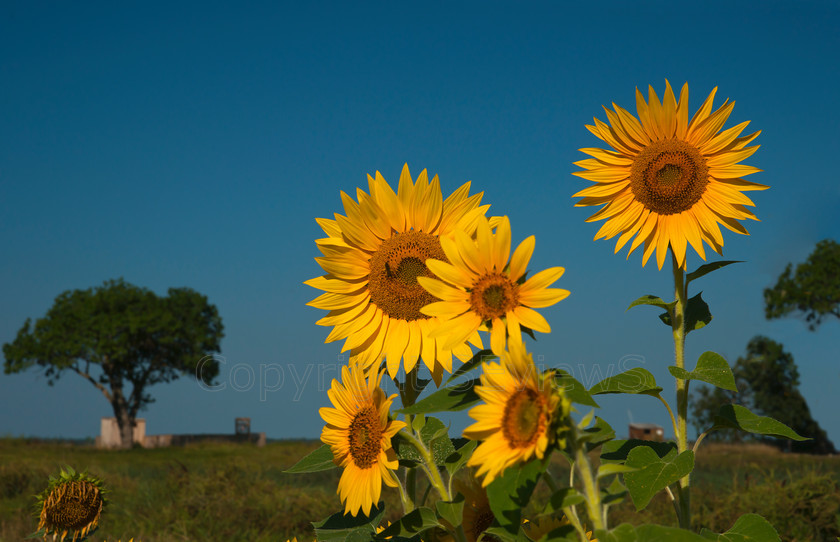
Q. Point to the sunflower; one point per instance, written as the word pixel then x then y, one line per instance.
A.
pixel 72 503
pixel 483 288
pixel 359 433
pixel 668 181
pixel 517 420
pixel 477 516
pixel 373 257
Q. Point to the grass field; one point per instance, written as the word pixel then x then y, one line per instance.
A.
pixel 216 491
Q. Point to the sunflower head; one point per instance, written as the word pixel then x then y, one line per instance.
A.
pixel 374 255
pixel 477 516
pixel 71 504
pixel 669 182
pixel 481 286
pixel 521 415
pixel 359 433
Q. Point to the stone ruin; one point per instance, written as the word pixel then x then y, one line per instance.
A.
pixel 109 435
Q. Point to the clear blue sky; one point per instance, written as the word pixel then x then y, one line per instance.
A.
pixel 194 145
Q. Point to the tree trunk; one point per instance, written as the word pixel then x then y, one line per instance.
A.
pixel 124 419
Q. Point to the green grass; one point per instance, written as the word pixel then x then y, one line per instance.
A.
pixel 239 492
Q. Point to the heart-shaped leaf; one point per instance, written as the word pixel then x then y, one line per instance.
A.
pixel 738 417
pixel 711 368
pixel 653 473
pixel 636 380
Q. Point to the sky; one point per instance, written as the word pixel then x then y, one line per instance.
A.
pixel 194 144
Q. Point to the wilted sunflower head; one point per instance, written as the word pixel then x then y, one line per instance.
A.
pixel 72 503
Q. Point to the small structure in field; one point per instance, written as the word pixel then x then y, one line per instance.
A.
pixel 647 431
pixel 109 436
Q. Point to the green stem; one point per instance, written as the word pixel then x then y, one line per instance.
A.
pixel 569 511
pixel 670 413
pixel 407 504
pixel 410 487
pixel 591 491
pixel 678 329
pixel 432 470
pixel 408 394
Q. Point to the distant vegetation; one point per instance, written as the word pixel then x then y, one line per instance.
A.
pixel 239 492
pixel 118 335
pixel 812 291
pixel 768 383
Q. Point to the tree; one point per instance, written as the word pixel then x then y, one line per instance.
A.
pixel 813 291
pixel 768 384
pixel 133 335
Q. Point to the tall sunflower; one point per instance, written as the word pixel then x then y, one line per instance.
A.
pixel 373 257
pixel 669 181
pixel 521 413
pixel 483 289
pixel 359 433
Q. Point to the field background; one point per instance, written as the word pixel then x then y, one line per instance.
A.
pixel 216 491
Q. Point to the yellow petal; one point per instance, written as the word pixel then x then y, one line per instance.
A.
pixel 521 257
pixel 542 280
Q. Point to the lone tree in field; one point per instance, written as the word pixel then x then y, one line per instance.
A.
pixel 133 336
pixel 768 383
pixel 812 291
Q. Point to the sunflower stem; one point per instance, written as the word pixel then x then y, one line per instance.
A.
pixel 407 505
pixel 678 330
pixel 431 467
pixel 591 491
pixel 408 394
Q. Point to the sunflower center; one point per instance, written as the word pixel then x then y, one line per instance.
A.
pixel 493 295
pixel 409 269
pixel 76 508
pixel 483 520
pixel 394 269
pixel 669 176
pixel 524 418
pixel 365 437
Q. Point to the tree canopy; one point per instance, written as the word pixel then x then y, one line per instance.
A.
pixel 133 336
pixel 812 290
pixel 768 383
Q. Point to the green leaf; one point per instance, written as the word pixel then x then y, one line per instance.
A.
pixel 411 524
pixel 618 450
pixel 597 434
pixel 647 533
pixel 697 314
pixel 613 468
pixel 654 473
pixel 574 390
pixel 567 496
pixel 651 300
pixel 339 526
pixel 712 369
pixel 480 357
pixel 434 436
pixel 320 459
pixel 738 417
pixel 504 535
pixel 451 511
pixel 450 398
pixel 635 380
pixel 510 493
pixel 613 493
pixel 748 528
pixel 705 269
pixel 459 457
